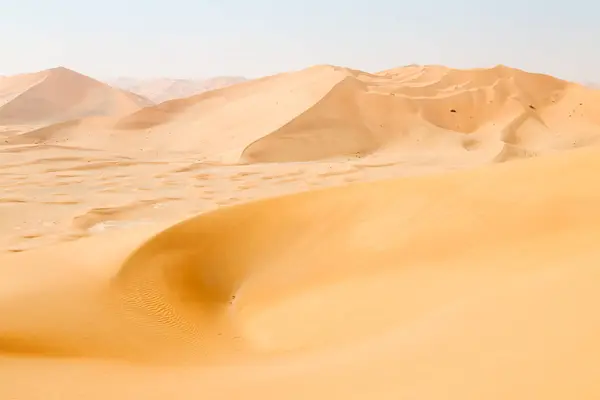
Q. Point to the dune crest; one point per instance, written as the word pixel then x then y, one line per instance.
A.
pixel 373 113
pixel 329 112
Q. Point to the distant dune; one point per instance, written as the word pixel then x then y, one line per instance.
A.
pixel 163 89
pixel 593 85
pixel 459 110
pixel 325 112
pixel 59 94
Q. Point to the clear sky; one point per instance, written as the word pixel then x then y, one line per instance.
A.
pixel 203 38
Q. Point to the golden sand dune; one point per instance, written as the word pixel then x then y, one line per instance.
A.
pixel 58 95
pixel 478 284
pixel 417 113
pixel 413 109
pixel 122 276
pixel 208 124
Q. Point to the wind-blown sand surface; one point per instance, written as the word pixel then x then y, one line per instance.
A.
pixel 420 268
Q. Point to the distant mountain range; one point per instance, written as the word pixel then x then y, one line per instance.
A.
pixel 163 89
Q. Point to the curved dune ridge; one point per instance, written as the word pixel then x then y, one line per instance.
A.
pixel 479 284
pixel 327 112
pixel 59 94
pixel 477 110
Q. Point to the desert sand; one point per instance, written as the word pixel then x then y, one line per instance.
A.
pixel 418 233
pixel 59 95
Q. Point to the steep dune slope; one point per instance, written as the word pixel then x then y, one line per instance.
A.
pixel 226 120
pixel 218 123
pixel 486 108
pixel 471 285
pixel 58 95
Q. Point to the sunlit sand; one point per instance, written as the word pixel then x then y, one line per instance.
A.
pixel 422 232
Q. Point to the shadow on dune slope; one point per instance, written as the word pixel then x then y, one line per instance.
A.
pixel 328 112
pixel 365 113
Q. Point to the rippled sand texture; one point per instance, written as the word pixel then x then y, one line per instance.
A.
pixel 402 263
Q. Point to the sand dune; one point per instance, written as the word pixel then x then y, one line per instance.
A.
pixel 470 285
pixel 325 233
pixel 189 125
pixel 164 89
pixel 415 108
pixel 58 95
pixel 417 113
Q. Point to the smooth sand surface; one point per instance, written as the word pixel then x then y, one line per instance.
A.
pixel 418 269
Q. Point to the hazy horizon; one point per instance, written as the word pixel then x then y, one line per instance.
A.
pixel 187 40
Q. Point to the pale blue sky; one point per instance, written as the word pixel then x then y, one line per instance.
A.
pixel 200 38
